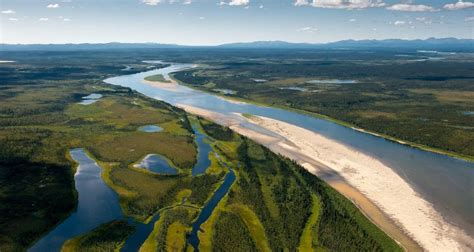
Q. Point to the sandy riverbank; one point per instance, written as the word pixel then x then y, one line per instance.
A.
pixel 382 195
pixel 171 85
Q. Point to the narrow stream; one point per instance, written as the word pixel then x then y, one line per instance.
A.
pixel 207 210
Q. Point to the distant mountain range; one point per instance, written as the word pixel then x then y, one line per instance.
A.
pixel 426 44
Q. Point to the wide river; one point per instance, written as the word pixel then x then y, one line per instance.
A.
pixel 446 182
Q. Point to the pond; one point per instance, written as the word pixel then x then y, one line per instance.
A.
pixel 158 164
pixel 150 129
pixel 295 89
pixel 332 81
pixel 87 100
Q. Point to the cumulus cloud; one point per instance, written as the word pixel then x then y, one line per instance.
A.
pixel 301 2
pixel 235 3
pixel 307 29
pixel 13 19
pixel 43 19
pixel 411 7
pixel 8 12
pixel 352 20
pixel 424 20
pixel 156 2
pixel 341 4
pixel 399 22
pixel 459 5
pixel 52 6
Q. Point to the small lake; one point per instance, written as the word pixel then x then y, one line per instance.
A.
pixel 207 210
pixel 97 204
pixel 87 100
pixel 332 81
pixel 150 129
pixel 424 170
pixel 295 89
pixel 468 113
pixel 158 164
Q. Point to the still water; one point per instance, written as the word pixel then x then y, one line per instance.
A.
pixel 446 182
pixel 97 204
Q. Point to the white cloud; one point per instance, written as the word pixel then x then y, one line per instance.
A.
pixel 308 29
pixel 261 6
pixel 459 5
pixel 467 19
pixel 341 4
pixel 235 3
pixel 202 18
pixel 52 6
pixel 352 20
pixel 424 20
pixel 156 2
pixel 411 7
pixel 13 19
pixel 43 19
pixel 301 2
pixel 399 23
pixel 8 12
pixel 66 19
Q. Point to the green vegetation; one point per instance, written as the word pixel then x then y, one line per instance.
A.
pixel 40 120
pixel 309 237
pixel 157 77
pixel 107 237
pixel 274 204
pixel 231 234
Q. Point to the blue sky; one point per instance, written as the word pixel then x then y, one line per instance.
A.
pixel 209 22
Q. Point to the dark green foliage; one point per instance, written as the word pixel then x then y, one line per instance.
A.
pixel 180 214
pixel 36 196
pixel 231 234
pixel 218 132
pixel 342 226
pixel 264 168
pixel 106 237
pixel 202 186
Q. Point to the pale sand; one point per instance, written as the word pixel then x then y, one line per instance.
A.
pixel 171 86
pixel 379 191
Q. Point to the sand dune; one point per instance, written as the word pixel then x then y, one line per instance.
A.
pixel 399 209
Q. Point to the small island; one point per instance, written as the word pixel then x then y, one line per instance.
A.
pixel 157 78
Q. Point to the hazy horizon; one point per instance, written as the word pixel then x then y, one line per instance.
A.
pixel 214 22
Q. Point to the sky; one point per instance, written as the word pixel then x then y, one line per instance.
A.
pixel 211 22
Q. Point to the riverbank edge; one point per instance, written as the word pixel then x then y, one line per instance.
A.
pixel 367 207
pixel 334 120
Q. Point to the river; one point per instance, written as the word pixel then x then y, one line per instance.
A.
pixel 445 182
